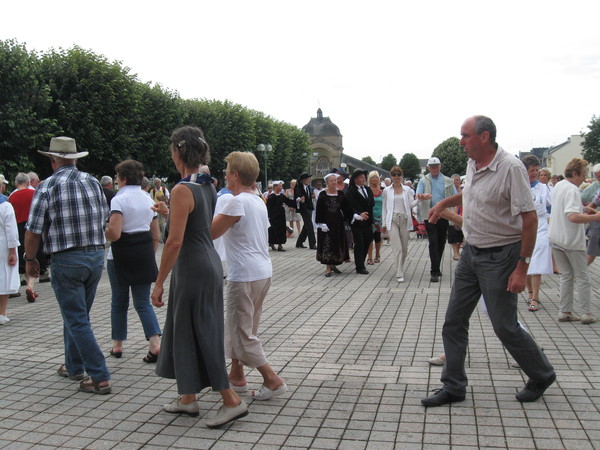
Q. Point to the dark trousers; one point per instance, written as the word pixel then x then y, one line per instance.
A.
pixel 307 229
pixel 41 257
pixel 363 236
pixel 486 272
pixel 436 233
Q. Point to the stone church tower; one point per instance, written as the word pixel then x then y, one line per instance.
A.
pixel 326 145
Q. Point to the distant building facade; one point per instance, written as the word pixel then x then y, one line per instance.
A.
pixel 327 150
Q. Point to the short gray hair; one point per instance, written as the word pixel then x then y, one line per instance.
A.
pixel 105 181
pixel 145 183
pixel 596 168
pixel 483 123
pixel 33 176
pixel 21 179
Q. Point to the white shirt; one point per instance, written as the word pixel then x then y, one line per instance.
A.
pixel 219 242
pixel 563 233
pixel 135 206
pixel 247 241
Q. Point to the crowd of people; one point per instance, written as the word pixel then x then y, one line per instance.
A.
pixel 507 222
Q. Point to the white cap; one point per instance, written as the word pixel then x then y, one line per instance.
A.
pixel 433 161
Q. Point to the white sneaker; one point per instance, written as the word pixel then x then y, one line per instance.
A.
pixel 176 407
pixel 226 415
pixel 3 319
pixel 400 280
pixel 568 317
pixel 587 319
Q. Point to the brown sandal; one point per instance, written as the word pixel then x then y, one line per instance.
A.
pixel 93 387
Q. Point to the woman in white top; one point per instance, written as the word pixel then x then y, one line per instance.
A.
pixel 134 233
pixel 9 268
pixel 541 260
pixel 398 202
pixel 243 222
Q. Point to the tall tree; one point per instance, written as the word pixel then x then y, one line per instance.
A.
pixel 452 156
pixel 591 141
pixel 388 162
pixel 369 160
pixel 410 166
pixel 24 103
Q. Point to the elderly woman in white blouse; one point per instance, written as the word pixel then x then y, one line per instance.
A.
pixel 398 201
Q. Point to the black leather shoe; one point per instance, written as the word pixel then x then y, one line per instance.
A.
pixel 441 397
pixel 314 247
pixel 434 278
pixel 362 271
pixel 534 390
pixel 300 246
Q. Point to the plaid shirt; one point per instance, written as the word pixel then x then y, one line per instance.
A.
pixel 68 210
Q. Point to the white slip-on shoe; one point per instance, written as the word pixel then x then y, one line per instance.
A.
pixel 226 415
pixel 3 319
pixel 587 319
pixel 436 361
pixel 239 389
pixel 176 407
pixel 568 317
pixel 400 280
pixel 264 393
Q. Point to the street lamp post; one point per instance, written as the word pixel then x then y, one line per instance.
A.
pixel 265 149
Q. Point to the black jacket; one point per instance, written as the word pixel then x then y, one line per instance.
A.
pixel 355 203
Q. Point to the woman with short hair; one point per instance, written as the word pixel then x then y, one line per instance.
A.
pixel 374 181
pixel 131 264
pixel 541 259
pixel 396 215
pixel 332 247
pixel 243 222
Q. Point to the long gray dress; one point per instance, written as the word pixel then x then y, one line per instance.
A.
pixel 192 349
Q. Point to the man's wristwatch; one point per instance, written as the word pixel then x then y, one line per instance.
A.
pixel 525 259
pixel 28 259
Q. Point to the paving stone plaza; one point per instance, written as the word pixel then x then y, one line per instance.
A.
pixel 353 350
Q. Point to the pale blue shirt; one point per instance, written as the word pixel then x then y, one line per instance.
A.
pixel 437 189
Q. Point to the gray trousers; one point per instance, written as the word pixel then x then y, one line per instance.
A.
pixel 486 271
pixel 573 272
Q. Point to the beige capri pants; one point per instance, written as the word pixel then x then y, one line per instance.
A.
pixel 244 308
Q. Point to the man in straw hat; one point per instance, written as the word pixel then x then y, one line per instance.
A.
pixel 68 212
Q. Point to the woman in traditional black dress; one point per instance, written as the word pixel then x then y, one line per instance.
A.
pixel 332 248
pixel 275 202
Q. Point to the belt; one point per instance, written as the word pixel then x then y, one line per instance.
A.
pixel 86 248
pixel 489 249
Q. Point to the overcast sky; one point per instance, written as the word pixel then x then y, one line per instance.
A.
pixel 394 78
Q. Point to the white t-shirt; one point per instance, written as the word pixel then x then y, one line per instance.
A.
pixel 563 233
pixel 135 206
pixel 219 242
pixel 247 241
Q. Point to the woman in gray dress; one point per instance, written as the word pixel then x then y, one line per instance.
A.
pixel 192 350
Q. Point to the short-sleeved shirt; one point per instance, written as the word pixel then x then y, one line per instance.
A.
pixel 247 241
pixel 562 232
pixel 135 207
pixel 493 199
pixel 68 210
pixel 21 201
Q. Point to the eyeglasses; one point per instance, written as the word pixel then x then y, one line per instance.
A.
pixel 396 174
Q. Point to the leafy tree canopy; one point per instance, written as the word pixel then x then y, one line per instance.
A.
pixel 114 116
pixel 388 162
pixel 410 166
pixel 591 142
pixel 369 160
pixel 452 157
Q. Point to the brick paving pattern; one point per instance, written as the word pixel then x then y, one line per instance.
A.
pixel 353 350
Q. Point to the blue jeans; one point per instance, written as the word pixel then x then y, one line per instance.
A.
pixel 75 277
pixel 120 305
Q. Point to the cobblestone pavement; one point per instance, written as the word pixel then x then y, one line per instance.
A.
pixel 353 350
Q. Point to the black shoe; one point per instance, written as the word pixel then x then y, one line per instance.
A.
pixel 15 295
pixel 335 270
pixel 441 397
pixel 300 246
pixel 313 247
pixel 534 390
pixel 362 271
pixel 434 278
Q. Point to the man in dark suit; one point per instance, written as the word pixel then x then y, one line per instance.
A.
pixel 358 210
pixel 303 194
